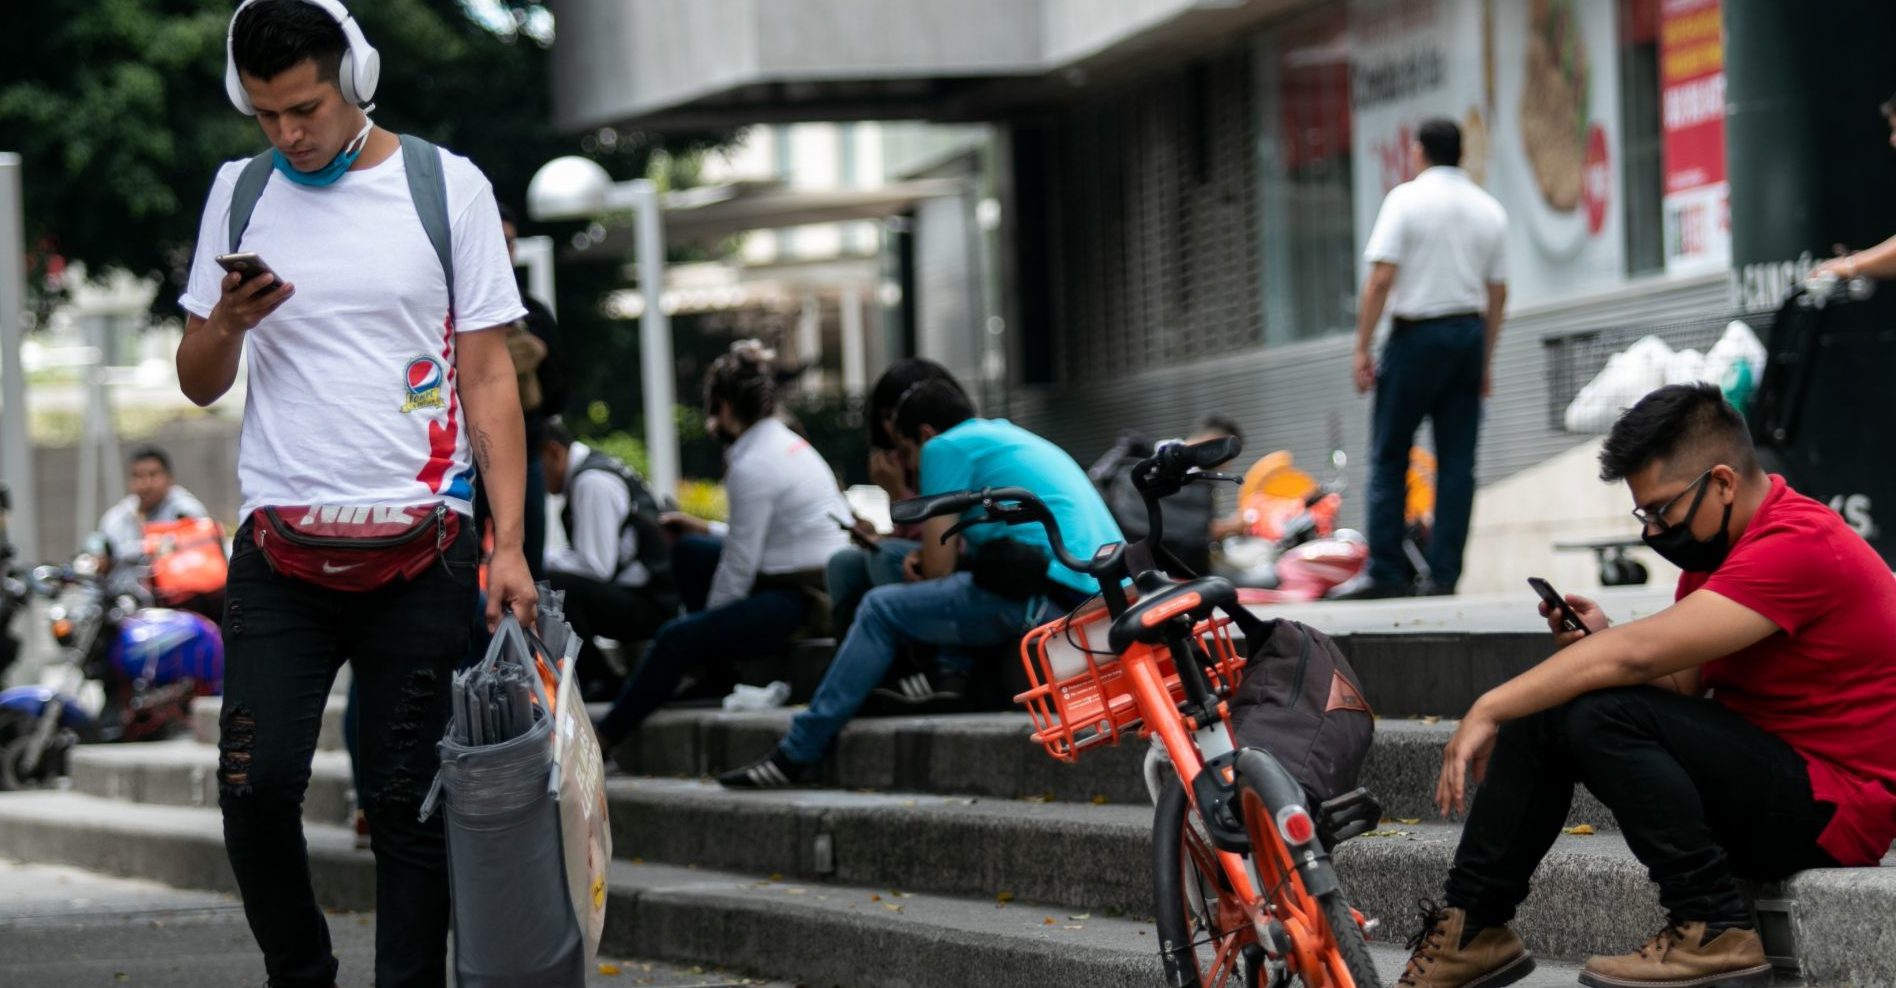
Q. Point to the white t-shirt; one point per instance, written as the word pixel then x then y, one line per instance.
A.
pixel 786 510
pixel 1448 239
pixel 352 387
pixel 603 547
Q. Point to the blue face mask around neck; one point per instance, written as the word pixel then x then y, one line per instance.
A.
pixel 328 174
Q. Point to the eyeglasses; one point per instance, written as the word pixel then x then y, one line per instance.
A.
pixel 1657 519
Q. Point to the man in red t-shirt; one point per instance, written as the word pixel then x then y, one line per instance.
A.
pixel 1747 730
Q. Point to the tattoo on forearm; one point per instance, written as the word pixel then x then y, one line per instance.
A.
pixel 483 449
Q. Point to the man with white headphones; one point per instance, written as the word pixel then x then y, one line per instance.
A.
pixel 369 286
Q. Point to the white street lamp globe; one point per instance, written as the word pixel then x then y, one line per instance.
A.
pixel 568 188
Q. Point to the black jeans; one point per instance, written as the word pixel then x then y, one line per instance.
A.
pixel 284 641
pixel 1432 370
pixel 1700 794
pixel 626 614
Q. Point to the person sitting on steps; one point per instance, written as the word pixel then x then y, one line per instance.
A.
pixel 767 584
pixel 1787 618
pixel 874 560
pixel 616 567
pixel 1015 583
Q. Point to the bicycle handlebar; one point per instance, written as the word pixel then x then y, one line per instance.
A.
pixel 1163 473
pixel 1008 505
pixel 1172 464
pixel 919 509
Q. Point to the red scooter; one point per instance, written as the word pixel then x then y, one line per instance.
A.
pixel 1292 550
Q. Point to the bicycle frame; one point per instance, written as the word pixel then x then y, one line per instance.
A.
pixel 1266 849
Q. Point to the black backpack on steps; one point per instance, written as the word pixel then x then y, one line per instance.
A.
pixel 1301 701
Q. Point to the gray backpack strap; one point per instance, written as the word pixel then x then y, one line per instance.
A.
pixel 243 198
pixel 429 189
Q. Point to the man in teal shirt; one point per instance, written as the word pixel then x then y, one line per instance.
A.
pixel 940 606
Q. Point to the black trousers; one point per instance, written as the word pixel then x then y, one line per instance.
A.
pixel 284 642
pixel 622 613
pixel 1700 794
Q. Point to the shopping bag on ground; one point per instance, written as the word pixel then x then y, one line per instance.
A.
pixel 516 916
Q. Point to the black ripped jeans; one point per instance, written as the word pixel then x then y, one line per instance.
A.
pixel 284 641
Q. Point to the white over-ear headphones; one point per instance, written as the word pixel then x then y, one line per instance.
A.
pixel 361 63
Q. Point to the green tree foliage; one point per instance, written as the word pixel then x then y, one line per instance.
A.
pixel 118 108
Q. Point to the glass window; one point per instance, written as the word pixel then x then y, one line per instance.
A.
pixel 1640 130
pixel 1309 237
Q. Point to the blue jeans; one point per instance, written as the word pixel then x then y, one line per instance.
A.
pixel 760 623
pixel 854 571
pixel 950 613
pixel 1429 370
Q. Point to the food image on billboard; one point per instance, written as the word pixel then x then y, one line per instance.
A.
pixel 1535 87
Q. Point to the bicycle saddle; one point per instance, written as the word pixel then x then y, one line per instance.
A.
pixel 1144 622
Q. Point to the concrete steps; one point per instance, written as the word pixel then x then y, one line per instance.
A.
pixel 821 934
pixel 926 821
pixel 992 755
pixel 1590 895
pixel 963 754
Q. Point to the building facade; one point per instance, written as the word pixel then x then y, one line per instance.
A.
pixel 1184 187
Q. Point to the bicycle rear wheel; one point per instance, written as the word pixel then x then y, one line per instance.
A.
pixel 1327 949
pixel 1205 938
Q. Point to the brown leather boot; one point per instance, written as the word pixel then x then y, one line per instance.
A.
pixel 1494 957
pixel 1679 956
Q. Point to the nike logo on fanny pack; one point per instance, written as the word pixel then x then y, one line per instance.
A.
pixel 332 569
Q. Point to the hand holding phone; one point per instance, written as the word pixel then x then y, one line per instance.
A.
pixel 861 534
pixel 257 292
pixel 245 264
pixel 1569 618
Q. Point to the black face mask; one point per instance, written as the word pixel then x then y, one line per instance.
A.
pixel 1677 546
pixel 717 432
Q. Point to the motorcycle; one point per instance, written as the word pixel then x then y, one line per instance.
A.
pixel 1292 550
pixel 127 671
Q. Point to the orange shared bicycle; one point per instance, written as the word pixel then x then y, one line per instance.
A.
pixel 1245 891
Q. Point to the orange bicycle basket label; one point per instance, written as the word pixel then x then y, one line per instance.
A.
pixel 1171 610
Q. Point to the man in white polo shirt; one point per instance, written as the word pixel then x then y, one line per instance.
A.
pixel 1437 261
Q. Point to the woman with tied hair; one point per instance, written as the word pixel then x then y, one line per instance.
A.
pixel 768 582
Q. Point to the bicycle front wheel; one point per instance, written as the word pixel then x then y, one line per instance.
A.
pixel 1205 936
pixel 1327 949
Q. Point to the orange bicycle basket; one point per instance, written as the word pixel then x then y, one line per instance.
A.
pixel 1079 695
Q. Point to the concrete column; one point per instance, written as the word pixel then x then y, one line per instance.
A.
pixel 810 341
pixel 536 255
pixel 855 345
pixel 16 457
pixel 655 344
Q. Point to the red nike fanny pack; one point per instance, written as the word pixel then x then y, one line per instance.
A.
pixel 353 547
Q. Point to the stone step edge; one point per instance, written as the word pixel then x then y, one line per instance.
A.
pixel 816 934
pixel 1420 855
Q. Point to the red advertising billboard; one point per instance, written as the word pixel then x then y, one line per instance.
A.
pixel 1692 119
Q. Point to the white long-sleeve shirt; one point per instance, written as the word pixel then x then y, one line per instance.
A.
pixel 603 546
pixel 786 511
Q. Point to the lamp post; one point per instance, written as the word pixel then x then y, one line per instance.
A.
pixel 16 455
pixel 571 188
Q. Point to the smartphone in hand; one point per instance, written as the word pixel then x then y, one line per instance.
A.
pixel 1569 619
pixel 245 263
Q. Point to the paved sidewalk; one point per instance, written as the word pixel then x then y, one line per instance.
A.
pixel 65 928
